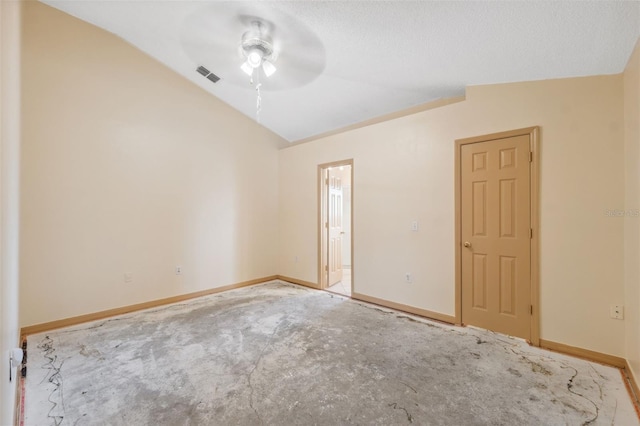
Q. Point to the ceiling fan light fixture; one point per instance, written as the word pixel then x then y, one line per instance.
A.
pixel 257 48
pixel 248 69
pixel 254 57
pixel 268 68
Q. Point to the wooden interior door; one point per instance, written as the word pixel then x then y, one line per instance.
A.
pixel 495 214
pixel 334 214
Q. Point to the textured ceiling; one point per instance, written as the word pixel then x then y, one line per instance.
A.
pixel 371 58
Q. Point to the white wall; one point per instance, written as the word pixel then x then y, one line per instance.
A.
pixel 404 171
pixel 632 204
pixel 128 167
pixel 9 174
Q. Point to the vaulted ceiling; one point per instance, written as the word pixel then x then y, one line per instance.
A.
pixel 344 62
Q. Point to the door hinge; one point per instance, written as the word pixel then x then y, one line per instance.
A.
pixel 530 232
pixel 530 157
pixel 531 309
pixel 326 268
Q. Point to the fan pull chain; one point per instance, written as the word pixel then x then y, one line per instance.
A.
pixel 258 99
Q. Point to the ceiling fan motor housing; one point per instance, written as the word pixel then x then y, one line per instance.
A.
pixel 255 41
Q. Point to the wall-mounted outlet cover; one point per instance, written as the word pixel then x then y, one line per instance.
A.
pixel 616 312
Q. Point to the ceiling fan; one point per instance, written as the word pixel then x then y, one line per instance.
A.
pixel 238 39
pixel 257 48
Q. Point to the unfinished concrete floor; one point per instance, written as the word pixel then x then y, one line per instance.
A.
pixel 282 355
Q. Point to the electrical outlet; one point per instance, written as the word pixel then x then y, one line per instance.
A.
pixel 295 259
pixel 408 278
pixel 414 226
pixel 616 312
pixel 128 277
pixel 178 270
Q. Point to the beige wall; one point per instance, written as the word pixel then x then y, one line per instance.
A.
pixel 128 167
pixel 404 170
pixel 9 191
pixel 632 222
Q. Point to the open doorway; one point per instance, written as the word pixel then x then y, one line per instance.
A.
pixel 335 227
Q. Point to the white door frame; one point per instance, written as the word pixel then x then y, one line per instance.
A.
pixel 322 220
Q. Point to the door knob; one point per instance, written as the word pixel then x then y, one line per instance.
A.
pixel 467 244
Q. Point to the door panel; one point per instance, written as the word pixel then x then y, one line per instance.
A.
pixel 479 208
pixel 507 284
pixel 335 227
pixel 479 281
pixel 495 231
pixel 507 208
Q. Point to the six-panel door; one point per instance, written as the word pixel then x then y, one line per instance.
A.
pixel 495 233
